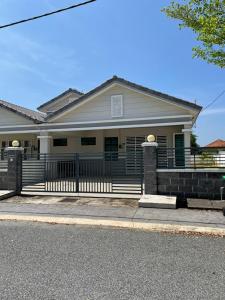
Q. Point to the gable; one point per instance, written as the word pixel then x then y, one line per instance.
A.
pixel 9 118
pixel 59 102
pixel 135 105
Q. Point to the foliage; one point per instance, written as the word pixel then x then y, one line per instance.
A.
pixel 207 159
pixel 207 19
pixel 194 143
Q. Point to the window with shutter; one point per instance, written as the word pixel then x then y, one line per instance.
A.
pixel 116 106
pixel 162 151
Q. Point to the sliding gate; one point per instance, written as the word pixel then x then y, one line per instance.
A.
pixel 109 172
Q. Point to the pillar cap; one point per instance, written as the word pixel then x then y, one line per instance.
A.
pixel 187 130
pixel 44 137
pixel 149 144
pixel 14 149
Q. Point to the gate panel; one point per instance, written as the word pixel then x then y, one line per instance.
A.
pixel 60 173
pixel 95 174
pixel 127 174
pixel 84 173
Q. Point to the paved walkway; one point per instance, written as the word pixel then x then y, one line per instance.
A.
pixel 165 216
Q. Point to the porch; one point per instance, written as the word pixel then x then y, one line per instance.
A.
pixel 96 141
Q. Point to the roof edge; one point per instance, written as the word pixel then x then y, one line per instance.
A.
pixel 20 113
pixel 116 79
pixel 70 90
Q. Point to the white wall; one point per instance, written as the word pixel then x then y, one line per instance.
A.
pixel 135 105
pixel 74 144
pixel 10 118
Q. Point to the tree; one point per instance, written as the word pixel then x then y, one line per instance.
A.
pixel 207 19
pixel 194 143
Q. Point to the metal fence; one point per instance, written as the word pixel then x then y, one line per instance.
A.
pixel 197 158
pixel 108 172
pixel 3 160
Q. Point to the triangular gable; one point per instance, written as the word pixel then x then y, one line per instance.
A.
pixel 21 112
pixel 60 100
pixel 115 81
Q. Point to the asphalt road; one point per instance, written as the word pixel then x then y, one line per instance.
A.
pixel 40 261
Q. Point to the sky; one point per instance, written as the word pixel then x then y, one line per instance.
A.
pixel 82 48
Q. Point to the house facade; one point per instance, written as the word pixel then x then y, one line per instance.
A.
pixel 114 117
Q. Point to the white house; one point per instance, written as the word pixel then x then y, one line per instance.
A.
pixel 115 116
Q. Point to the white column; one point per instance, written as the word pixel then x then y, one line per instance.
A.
pixel 187 137
pixel 45 140
pixel 187 144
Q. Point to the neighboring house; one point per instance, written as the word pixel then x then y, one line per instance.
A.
pixel 219 153
pixel 115 116
pixel 216 144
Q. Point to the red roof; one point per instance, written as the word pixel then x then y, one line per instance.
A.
pixel 216 144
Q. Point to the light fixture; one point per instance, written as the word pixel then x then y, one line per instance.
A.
pixel 151 138
pixel 15 143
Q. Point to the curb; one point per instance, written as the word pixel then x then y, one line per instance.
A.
pixel 128 224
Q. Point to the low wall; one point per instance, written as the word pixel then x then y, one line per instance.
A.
pixel 3 180
pixel 191 183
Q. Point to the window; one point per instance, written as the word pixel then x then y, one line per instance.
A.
pixel 111 148
pixel 4 144
pixel 88 141
pixel 117 106
pixel 162 141
pixel 26 144
pixel 60 142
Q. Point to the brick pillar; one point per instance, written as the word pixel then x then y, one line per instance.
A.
pixel 15 169
pixel 150 166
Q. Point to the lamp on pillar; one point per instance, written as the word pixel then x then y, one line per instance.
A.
pixel 150 165
pixel 14 174
pixel 151 197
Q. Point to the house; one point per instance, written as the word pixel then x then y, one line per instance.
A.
pixel 116 116
pixel 217 147
pixel 216 144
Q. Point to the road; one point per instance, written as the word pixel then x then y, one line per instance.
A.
pixel 41 261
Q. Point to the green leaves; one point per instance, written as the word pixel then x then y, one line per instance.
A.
pixel 207 19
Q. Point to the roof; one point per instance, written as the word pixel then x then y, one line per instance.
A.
pixel 32 115
pixel 138 87
pixel 216 144
pixel 59 96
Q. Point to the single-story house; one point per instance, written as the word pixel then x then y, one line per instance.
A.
pixel 115 116
pixel 216 144
pixel 217 148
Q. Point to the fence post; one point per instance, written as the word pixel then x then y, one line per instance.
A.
pixel 77 172
pixel 150 166
pixel 15 161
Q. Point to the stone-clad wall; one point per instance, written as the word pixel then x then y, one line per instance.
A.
pixel 195 184
pixel 3 180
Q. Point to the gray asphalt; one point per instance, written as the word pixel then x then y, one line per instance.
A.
pixel 40 261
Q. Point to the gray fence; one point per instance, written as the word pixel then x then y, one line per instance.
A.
pixel 108 172
pixel 196 158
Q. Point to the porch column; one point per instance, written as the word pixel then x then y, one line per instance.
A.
pixel 187 144
pixel 45 140
pixel 187 137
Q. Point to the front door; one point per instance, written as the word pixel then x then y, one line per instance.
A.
pixel 111 148
pixel 179 150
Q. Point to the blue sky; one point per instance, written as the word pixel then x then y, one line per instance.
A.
pixel 85 46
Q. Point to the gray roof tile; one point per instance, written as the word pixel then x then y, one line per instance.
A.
pixel 32 115
pixel 59 96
